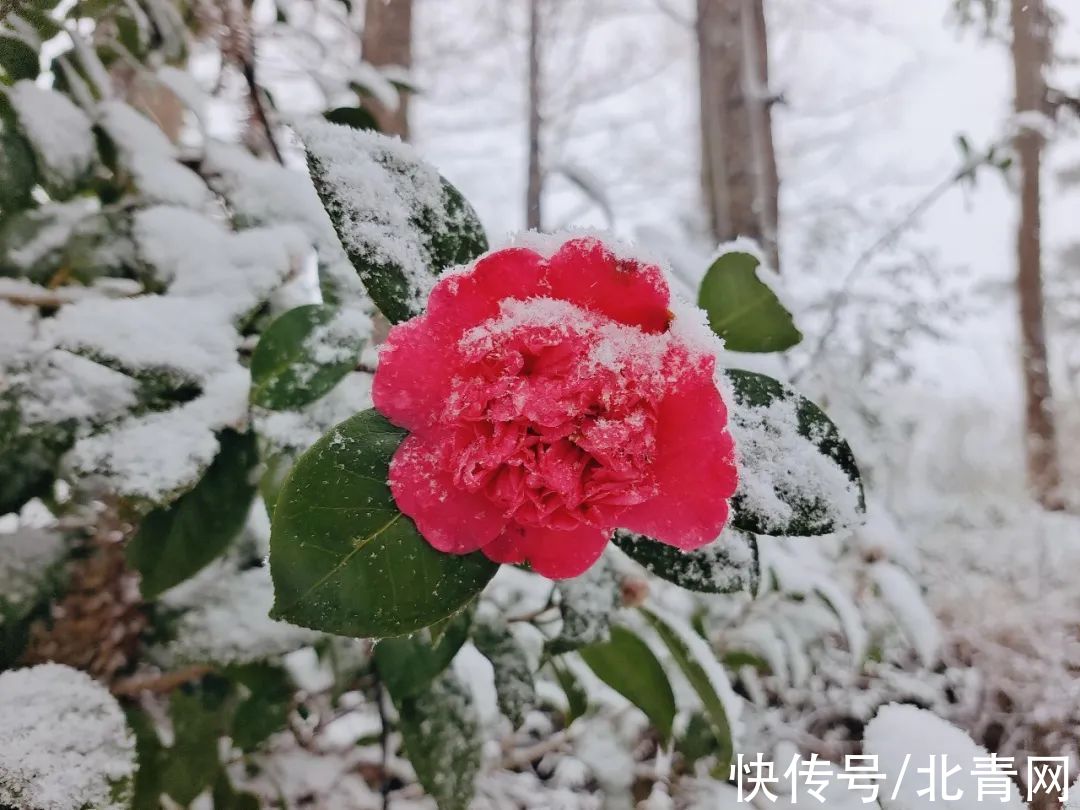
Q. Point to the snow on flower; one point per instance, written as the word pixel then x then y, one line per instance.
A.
pixel 551 401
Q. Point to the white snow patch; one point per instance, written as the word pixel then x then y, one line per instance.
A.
pixel 26 557
pixel 157 456
pixel 899 732
pixel 65 743
pixel 227 622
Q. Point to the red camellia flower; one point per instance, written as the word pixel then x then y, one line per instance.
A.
pixel 550 401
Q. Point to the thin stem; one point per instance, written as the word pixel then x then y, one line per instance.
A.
pixel 842 297
pixel 384 743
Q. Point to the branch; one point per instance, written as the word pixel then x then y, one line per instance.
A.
pixel 843 294
pixel 160 683
pixel 384 742
pixel 257 106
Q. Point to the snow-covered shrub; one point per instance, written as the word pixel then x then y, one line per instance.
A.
pixel 186 348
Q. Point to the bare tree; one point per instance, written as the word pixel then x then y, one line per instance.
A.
pixel 534 187
pixel 1030 55
pixel 387 41
pixel 738 160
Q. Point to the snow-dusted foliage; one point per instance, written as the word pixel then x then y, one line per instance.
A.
pixel 186 312
pixel 65 744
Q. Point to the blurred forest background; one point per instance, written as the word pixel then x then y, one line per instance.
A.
pixel 910 170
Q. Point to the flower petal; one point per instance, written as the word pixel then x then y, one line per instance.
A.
pixel 553 553
pixel 587 273
pixel 508 548
pixel 465 299
pixel 449 518
pixel 418 359
pixel 695 467
pixel 413 377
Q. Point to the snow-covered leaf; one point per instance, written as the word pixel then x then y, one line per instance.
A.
pixel 577 699
pixel 627 665
pixel 407 664
pixel 344 559
pixel 225 620
pixel 743 309
pixel 305 353
pixel 902 595
pixel 728 565
pixel 515 688
pixel 29 456
pixel 34 242
pixel 441 734
pixel 30 569
pixel 176 542
pixel 60 133
pixel 586 603
pixel 797 475
pixel 399 221
pixel 65 744
pixel 699 679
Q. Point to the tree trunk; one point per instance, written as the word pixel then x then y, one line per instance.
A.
pixel 738 160
pixel 534 188
pixel 387 41
pixel 1030 52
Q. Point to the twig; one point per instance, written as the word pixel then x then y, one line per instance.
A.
pixel 842 296
pixel 160 683
pixel 255 94
pixel 34 299
pixel 521 757
pixel 384 743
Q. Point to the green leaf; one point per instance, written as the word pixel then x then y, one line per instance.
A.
pixel 344 559
pixel 226 797
pixel 586 603
pixel 17 171
pixel 515 688
pixel 178 541
pixel 797 475
pixel 275 470
pixel 61 172
pixel 400 222
pixel 355 117
pixel 199 717
pixel 265 710
pixel 301 356
pixel 728 565
pixel 699 679
pixel 627 665
pixel 736 659
pixel 150 754
pixel 440 731
pixel 577 699
pixel 698 740
pixel 742 309
pixel 407 664
pixel 29 457
pixel 32 571
pixel 18 58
